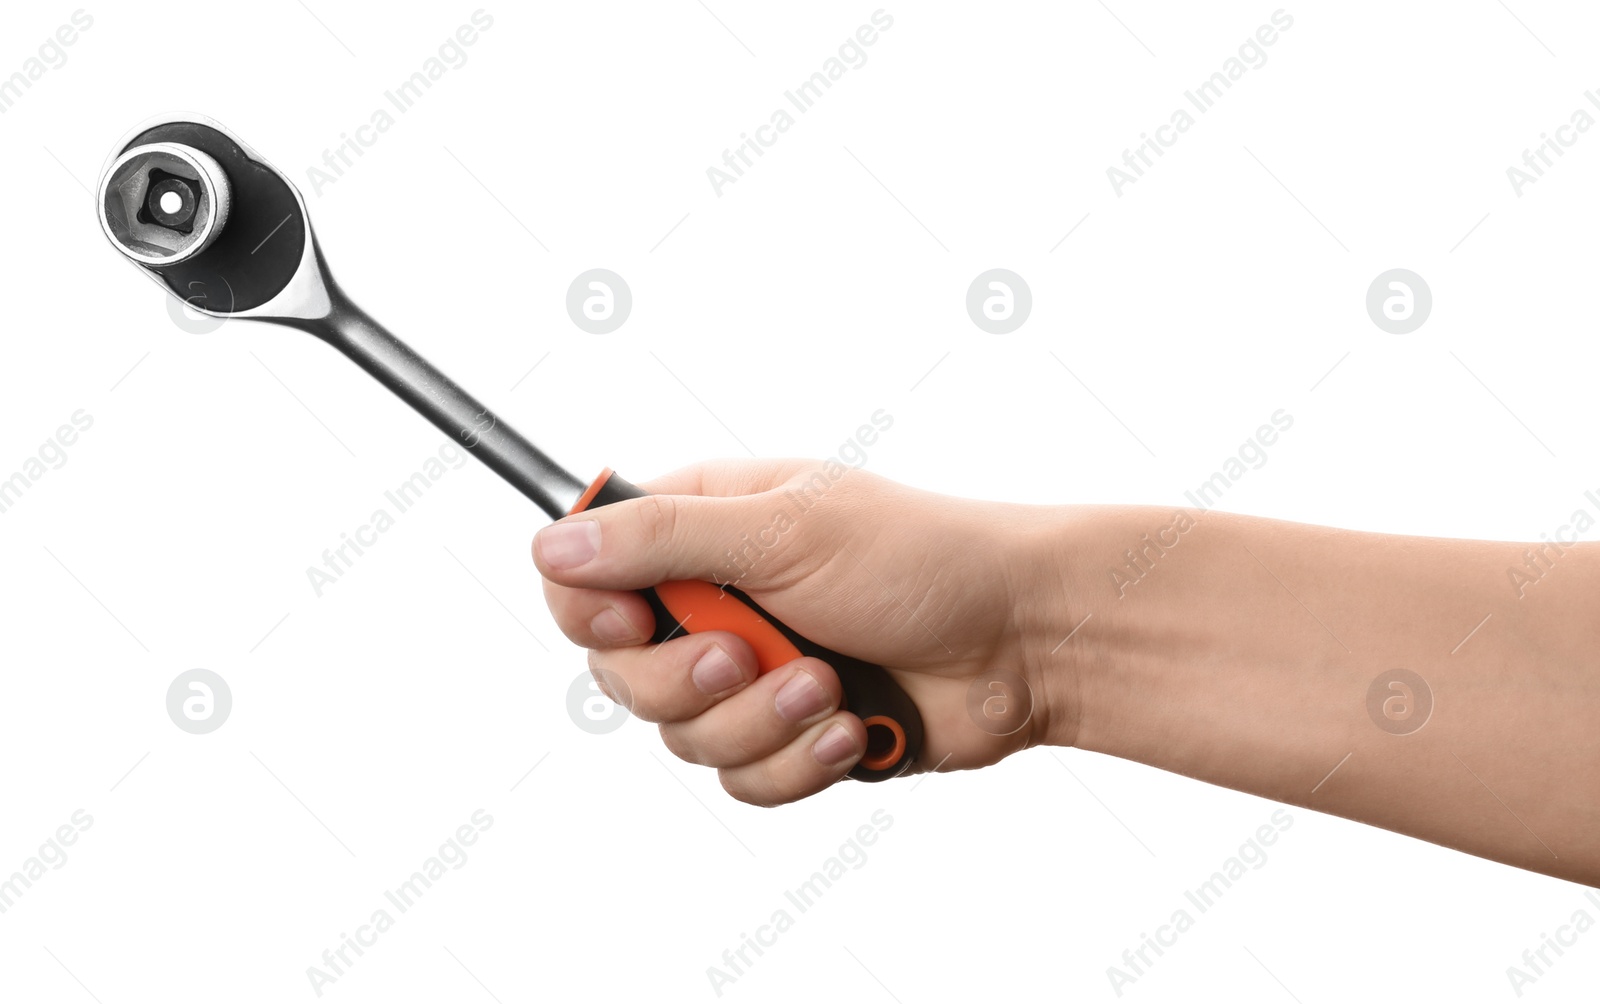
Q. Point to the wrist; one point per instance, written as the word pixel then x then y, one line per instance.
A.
pixel 1098 622
pixel 1053 621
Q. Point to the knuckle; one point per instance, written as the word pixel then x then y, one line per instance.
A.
pixel 614 686
pixel 676 743
pixel 681 743
pixel 759 795
pixel 735 749
pixel 658 516
pixel 577 634
pixel 690 743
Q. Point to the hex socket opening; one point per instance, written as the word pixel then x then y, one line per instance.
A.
pixel 163 203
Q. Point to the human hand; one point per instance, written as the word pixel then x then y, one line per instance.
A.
pixel 937 590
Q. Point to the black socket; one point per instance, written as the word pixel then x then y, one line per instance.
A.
pixel 162 184
pixel 241 268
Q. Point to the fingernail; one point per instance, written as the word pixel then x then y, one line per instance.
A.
pixel 568 545
pixel 716 672
pixel 608 625
pixel 835 747
pixel 801 698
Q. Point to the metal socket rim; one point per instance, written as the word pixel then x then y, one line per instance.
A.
pixel 126 184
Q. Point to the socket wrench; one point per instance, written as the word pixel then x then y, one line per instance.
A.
pixel 221 229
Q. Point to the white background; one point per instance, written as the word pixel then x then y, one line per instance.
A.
pixel 827 283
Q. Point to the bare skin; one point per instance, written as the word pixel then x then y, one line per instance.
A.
pixel 1236 650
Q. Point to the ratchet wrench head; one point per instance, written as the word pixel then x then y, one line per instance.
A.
pixel 224 231
pixel 213 222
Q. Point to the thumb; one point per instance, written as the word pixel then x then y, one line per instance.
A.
pixel 645 541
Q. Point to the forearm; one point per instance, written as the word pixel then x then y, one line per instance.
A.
pixel 1241 651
